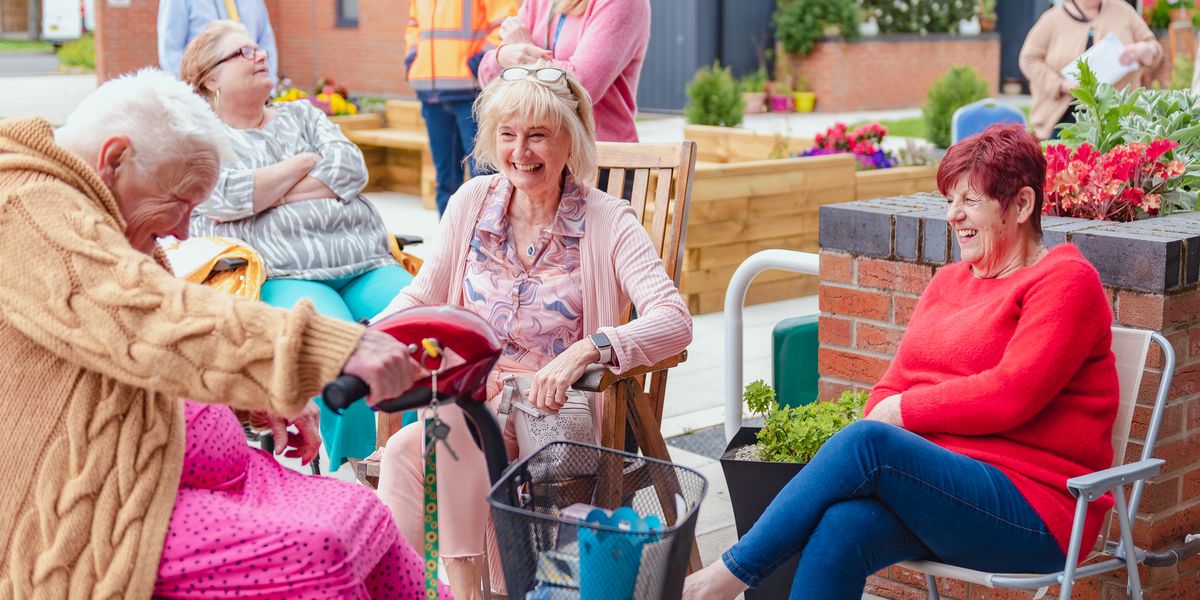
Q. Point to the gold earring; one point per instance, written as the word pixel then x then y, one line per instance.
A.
pixel 217 100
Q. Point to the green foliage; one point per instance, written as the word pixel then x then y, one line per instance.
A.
pixel 921 16
pixel 1160 16
pixel 799 24
pixel 1107 117
pixel 713 98
pixel 1181 73
pixel 987 7
pixel 80 53
pixel 958 87
pixel 794 434
pixel 754 81
pixel 25 46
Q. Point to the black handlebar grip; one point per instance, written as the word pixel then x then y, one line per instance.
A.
pixel 340 393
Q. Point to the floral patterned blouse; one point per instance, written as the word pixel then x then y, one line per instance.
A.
pixel 537 312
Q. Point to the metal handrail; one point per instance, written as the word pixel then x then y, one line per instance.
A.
pixel 735 297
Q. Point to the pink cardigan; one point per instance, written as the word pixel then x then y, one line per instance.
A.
pixel 604 47
pixel 619 266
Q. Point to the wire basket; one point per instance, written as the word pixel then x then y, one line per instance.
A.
pixel 555 545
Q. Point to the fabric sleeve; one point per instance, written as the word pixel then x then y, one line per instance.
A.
pixel 606 45
pixel 172 34
pixel 497 11
pixel 96 302
pixel 233 198
pixel 663 327
pixel 489 66
pixel 342 167
pixel 1062 320
pixel 432 283
pixel 1142 33
pixel 1032 60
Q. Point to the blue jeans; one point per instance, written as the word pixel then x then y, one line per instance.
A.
pixel 875 495
pixel 451 139
pixel 352 433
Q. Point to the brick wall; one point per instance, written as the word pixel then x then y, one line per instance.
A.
pixel 877 256
pixel 890 71
pixel 367 58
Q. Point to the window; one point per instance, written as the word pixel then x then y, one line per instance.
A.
pixel 347 13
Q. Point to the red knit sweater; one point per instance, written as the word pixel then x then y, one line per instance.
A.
pixel 1018 373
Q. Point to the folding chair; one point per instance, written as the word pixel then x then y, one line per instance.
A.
pixel 1130 346
pixel 979 115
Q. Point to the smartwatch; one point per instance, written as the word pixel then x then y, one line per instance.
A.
pixel 604 346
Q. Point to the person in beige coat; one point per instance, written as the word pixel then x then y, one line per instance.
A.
pixel 100 343
pixel 1061 35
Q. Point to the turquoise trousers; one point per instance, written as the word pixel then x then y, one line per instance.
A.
pixel 351 434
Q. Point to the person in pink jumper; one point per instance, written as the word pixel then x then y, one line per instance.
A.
pixel 1003 388
pixel 552 264
pixel 603 42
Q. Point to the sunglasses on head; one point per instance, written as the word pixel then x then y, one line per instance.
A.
pixel 542 74
pixel 246 52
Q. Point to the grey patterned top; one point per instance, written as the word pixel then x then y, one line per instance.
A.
pixel 326 238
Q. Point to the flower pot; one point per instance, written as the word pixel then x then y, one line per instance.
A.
pixel 987 23
pixel 781 103
pixel 805 101
pixel 756 102
pixel 868 28
pixel 752 486
pixel 1181 15
pixel 969 27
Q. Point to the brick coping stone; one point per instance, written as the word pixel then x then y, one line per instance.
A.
pixel 1158 255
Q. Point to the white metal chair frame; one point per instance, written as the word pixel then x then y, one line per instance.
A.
pixel 1087 488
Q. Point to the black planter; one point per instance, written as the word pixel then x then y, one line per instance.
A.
pixel 752 486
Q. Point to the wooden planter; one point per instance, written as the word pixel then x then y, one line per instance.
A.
pixel 743 201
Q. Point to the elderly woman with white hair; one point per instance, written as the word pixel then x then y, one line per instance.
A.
pixel 114 485
pixel 551 263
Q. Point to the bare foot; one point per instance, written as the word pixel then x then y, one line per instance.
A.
pixel 714 582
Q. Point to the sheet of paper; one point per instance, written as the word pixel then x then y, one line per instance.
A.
pixel 194 253
pixel 1104 60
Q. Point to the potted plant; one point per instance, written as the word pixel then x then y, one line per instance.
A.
pixel 800 24
pixel 759 461
pixel 804 96
pixel 987 15
pixel 754 94
pixel 713 98
pixel 781 98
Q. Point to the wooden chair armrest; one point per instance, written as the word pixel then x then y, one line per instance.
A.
pixel 598 378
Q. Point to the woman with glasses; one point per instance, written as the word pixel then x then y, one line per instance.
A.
pixel 293 194
pixel 602 42
pixel 1003 388
pixel 552 263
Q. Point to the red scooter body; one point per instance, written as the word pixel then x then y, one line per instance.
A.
pixel 469 348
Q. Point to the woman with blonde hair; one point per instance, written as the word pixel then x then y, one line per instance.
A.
pixel 294 195
pixel 602 42
pixel 552 263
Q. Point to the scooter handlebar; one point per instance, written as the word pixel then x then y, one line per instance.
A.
pixel 340 393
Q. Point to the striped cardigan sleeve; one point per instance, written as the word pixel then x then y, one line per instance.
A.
pixel 233 198
pixel 342 167
pixel 664 326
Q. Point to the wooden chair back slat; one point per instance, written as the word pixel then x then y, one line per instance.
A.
pixel 616 182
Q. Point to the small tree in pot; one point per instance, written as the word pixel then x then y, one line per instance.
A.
pixel 754 91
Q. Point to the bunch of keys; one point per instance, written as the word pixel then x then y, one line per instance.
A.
pixel 437 431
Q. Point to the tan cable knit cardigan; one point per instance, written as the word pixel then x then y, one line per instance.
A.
pixel 97 343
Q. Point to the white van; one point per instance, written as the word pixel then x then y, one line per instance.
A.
pixel 63 20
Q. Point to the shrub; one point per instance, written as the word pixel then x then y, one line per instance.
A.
pixel 80 53
pixel 799 24
pixel 713 98
pixel 1160 16
pixel 754 82
pixel 958 87
pixel 921 16
pixel 794 434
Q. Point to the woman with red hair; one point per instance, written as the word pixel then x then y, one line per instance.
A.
pixel 1003 388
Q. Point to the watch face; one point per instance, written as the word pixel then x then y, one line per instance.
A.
pixel 600 339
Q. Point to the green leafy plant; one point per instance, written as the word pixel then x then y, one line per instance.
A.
pixel 754 82
pixel 958 87
pixel 794 434
pixel 987 8
pixel 921 16
pixel 80 53
pixel 800 24
pixel 1107 117
pixel 1160 16
pixel 713 98
pixel 802 84
pixel 1181 73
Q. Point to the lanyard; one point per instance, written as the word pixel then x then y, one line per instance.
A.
pixel 551 46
